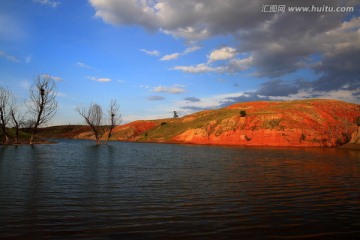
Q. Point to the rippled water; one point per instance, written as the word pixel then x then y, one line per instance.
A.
pixel 75 189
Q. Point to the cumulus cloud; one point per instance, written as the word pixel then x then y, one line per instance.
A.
pixel 232 66
pixel 175 89
pixel 102 79
pixel 222 54
pixel 274 44
pixel 187 19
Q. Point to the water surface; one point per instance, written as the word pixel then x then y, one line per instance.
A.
pixel 75 189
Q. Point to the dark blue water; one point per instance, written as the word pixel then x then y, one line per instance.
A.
pixel 75 189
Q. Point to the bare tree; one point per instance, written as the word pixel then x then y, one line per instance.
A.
pixel 93 117
pixel 42 106
pixel 114 117
pixel 18 120
pixel 5 102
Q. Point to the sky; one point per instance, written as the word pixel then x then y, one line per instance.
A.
pixel 159 56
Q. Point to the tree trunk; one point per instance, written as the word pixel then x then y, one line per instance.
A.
pixel 17 135
pixel 3 128
pixel 31 141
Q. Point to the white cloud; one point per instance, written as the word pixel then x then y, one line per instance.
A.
pixel 170 57
pixel 150 52
pixel 222 54
pixel 188 19
pixel 57 79
pixel 191 49
pixel 236 65
pixel 200 68
pixel 83 65
pixel 49 3
pixel 278 44
pixel 102 80
pixel 144 86
pixel 9 57
pixel 176 89
pixel 174 56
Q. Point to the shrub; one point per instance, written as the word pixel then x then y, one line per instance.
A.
pixel 242 113
pixel 302 137
pixel 273 123
pixel 163 123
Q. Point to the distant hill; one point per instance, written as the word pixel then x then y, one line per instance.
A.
pixel 316 122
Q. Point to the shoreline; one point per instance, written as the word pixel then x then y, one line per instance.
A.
pixel 347 146
pixel 350 146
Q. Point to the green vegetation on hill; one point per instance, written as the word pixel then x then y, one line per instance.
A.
pixel 174 127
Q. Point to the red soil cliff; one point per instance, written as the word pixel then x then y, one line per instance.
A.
pixel 320 123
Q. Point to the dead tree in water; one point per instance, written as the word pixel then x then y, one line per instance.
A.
pixel 93 117
pixel 5 99
pixel 42 105
pixel 114 117
pixel 18 120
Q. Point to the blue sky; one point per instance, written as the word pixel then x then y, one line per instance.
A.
pixel 157 56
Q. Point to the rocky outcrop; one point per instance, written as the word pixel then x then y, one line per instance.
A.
pixel 355 137
pixel 354 143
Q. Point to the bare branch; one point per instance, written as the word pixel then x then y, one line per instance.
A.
pixel 93 117
pixel 5 103
pixel 114 117
pixel 42 106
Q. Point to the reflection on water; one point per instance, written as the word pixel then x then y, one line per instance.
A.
pixel 124 190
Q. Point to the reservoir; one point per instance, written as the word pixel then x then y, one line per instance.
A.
pixel 75 189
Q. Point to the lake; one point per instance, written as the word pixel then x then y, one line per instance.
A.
pixel 75 189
